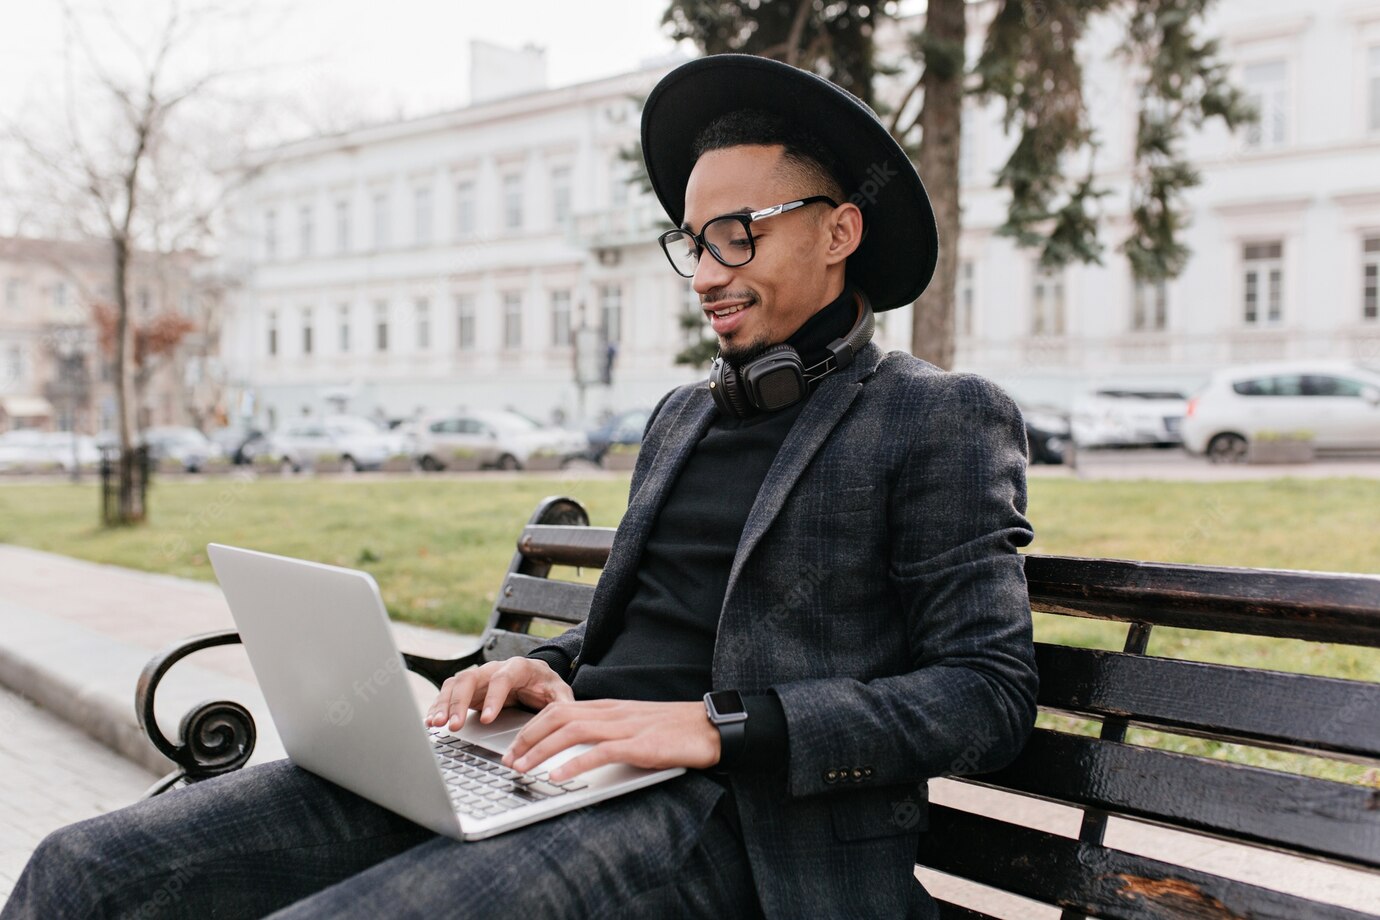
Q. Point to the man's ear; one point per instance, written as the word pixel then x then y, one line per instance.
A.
pixel 845 232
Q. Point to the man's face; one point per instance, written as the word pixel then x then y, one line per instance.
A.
pixel 785 283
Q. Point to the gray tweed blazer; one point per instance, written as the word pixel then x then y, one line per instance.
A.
pixel 877 590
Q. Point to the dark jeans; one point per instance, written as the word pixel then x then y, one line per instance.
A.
pixel 275 838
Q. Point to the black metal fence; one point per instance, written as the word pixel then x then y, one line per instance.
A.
pixel 114 486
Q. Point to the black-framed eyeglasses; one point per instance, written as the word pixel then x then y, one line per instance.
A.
pixel 727 237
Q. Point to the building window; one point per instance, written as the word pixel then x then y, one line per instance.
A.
pixel 512 319
pixel 343 324
pixel 618 182
pixel 270 235
pixel 272 334
pixel 421 204
pixel 305 229
pixel 306 331
pixel 60 294
pixel 342 226
pixel 1267 88
pixel 1373 85
pixel 14 372
pixel 1370 278
pixel 381 220
pixel 14 291
pixel 611 311
pixel 1047 295
pixel 1150 305
pixel 381 326
pixel 512 202
pixel 967 147
pixel 423 323
pixel 967 295
pixel 1263 293
pixel 465 215
pixel 560 318
pixel 145 300
pixel 464 321
pixel 560 195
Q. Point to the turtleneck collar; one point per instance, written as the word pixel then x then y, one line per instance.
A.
pixel 831 322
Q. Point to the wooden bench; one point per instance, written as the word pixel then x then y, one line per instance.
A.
pixel 1102 774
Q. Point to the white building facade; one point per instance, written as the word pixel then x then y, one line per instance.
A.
pixel 442 263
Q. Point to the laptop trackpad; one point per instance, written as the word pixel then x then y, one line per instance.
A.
pixel 498 735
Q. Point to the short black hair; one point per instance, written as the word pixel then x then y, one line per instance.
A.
pixel 804 153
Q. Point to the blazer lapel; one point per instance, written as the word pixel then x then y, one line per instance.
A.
pixel 811 429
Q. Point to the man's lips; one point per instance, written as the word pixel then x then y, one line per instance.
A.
pixel 725 324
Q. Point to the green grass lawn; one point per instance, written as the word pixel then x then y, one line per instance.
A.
pixel 438 547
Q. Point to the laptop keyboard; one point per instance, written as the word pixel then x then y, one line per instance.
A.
pixel 480 785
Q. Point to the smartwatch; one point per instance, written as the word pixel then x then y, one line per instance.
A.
pixel 727 713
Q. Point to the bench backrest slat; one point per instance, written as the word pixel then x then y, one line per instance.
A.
pixel 1093 879
pixel 525 596
pixel 1284 711
pixel 1314 606
pixel 1338 821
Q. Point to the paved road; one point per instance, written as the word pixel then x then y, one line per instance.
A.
pixel 53 775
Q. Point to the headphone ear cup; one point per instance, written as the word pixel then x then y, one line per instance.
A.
pixel 728 391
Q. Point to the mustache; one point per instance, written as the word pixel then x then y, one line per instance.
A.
pixel 715 296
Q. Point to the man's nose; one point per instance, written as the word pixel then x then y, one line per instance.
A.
pixel 710 273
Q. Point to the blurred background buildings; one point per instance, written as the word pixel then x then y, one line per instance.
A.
pixel 443 262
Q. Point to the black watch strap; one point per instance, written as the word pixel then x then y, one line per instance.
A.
pixel 727 713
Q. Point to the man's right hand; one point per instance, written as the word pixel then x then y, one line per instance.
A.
pixel 490 687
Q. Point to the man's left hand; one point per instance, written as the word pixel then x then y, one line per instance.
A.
pixel 634 732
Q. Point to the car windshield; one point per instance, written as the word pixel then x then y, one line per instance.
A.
pixel 507 422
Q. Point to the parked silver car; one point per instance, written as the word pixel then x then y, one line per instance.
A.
pixel 357 443
pixel 1334 403
pixel 37 450
pixel 504 440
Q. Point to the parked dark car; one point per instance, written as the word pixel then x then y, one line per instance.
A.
pixel 623 428
pixel 1047 432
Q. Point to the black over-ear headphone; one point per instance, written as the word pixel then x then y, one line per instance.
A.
pixel 778 377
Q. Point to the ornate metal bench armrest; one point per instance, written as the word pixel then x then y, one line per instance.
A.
pixel 214 737
pixel 218 736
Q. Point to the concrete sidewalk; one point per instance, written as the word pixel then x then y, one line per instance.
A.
pixel 74 636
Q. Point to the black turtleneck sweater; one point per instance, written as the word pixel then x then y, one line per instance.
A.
pixel 666 646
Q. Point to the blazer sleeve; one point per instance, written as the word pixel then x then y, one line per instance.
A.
pixel 956 514
pixel 560 651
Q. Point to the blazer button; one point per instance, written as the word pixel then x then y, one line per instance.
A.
pixel 857 773
pixel 867 771
pixel 831 775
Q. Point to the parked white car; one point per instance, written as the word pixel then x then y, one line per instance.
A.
pixel 1336 404
pixel 186 446
pixel 1127 417
pixel 501 439
pixel 357 443
pixel 41 449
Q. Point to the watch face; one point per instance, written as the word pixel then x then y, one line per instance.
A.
pixel 728 703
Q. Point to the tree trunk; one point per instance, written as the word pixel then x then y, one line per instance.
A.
pixel 932 331
pixel 131 492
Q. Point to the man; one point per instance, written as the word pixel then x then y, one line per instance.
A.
pixel 824 536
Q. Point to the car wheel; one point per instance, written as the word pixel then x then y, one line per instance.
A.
pixel 287 466
pixel 349 464
pixel 1226 448
pixel 508 462
pixel 430 464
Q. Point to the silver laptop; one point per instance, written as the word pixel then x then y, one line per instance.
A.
pixel 320 645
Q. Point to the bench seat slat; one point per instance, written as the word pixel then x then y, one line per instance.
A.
pixel 563 544
pixel 1294 712
pixel 1316 606
pixel 1298 814
pixel 1096 880
pixel 500 644
pixel 545 598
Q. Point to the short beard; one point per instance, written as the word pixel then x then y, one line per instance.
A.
pixel 738 355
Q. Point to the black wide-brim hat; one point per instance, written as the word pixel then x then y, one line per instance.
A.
pixel 895 260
